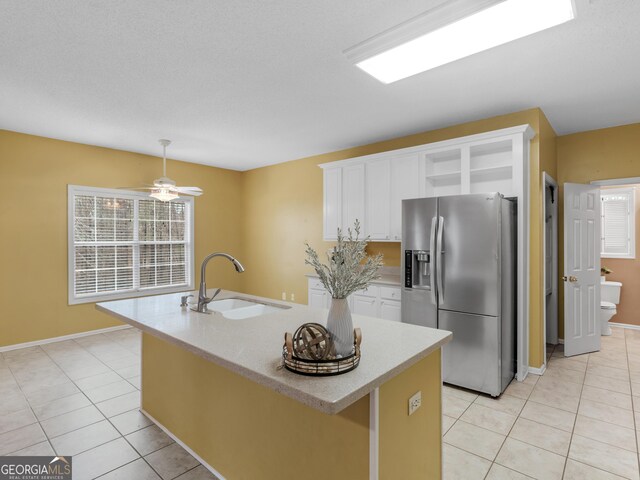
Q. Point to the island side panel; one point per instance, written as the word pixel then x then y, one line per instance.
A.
pixel 410 446
pixel 245 430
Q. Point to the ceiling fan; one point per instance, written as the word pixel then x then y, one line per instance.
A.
pixel 163 188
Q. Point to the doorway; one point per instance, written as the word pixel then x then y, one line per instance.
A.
pixel 550 255
pixel 620 247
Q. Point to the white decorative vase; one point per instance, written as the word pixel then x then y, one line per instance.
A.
pixel 340 326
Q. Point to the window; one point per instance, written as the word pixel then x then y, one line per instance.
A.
pixel 126 244
pixel 618 223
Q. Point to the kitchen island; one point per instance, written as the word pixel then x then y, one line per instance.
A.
pixel 216 385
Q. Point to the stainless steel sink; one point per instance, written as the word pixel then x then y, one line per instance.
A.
pixel 240 308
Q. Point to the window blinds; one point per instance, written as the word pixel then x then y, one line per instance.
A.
pixel 128 244
pixel 618 211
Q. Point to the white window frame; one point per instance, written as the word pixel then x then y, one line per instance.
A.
pixel 631 216
pixel 72 191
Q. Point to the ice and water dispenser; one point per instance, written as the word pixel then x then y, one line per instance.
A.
pixel 417 266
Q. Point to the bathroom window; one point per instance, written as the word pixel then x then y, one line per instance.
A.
pixel 126 244
pixel 618 223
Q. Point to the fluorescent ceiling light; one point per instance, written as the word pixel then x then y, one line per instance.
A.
pixel 454 30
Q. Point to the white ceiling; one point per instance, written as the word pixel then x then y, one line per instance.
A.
pixel 246 83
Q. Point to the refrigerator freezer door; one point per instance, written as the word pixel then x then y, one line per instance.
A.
pixel 469 254
pixel 472 359
pixel 418 305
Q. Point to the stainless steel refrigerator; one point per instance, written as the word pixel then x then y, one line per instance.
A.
pixel 459 266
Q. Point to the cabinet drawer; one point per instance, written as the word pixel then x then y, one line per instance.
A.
pixel 316 283
pixel 371 291
pixel 390 293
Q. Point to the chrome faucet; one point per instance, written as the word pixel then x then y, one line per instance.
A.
pixel 203 300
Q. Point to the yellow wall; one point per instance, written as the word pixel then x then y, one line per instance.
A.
pixel 263 216
pixel 400 433
pixel 248 431
pixel 283 209
pixel 595 155
pixel 35 172
pixel 547 162
pixel 245 430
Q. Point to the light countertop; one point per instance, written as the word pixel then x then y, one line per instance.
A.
pixel 252 347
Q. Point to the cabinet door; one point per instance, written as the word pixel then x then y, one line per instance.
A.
pixel 353 196
pixel 318 298
pixel 378 190
pixel 365 306
pixel 390 310
pixel 332 206
pixel 405 184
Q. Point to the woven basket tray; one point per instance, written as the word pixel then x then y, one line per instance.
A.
pixel 321 368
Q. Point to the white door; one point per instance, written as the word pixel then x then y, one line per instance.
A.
pixel 332 202
pixel 378 199
pixel 581 269
pixel 405 183
pixel 353 197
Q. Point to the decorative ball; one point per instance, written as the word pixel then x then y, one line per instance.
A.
pixel 312 341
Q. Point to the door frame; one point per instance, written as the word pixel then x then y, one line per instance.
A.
pixel 617 181
pixel 549 181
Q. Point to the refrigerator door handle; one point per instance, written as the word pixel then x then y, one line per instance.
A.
pixel 439 248
pixel 432 263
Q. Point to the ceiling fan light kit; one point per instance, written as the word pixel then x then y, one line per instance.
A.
pixel 163 191
pixel 163 194
pixel 453 30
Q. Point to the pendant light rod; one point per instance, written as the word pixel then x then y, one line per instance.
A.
pixel 165 143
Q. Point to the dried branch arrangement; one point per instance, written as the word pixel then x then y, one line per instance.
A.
pixel 345 271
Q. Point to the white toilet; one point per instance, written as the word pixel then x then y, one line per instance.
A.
pixel 609 298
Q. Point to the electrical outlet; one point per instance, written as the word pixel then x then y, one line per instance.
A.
pixel 284 295
pixel 293 297
pixel 415 402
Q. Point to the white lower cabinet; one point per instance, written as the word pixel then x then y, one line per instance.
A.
pixel 390 310
pixel 365 306
pixel 380 301
pixel 318 298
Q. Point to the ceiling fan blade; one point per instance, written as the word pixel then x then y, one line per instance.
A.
pixel 194 191
pixel 136 188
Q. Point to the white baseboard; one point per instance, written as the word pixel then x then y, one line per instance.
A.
pixel 183 445
pixel 538 371
pixel 561 341
pixel 44 341
pixel 625 325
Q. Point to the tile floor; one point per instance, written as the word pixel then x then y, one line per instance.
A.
pixel 81 398
pixel 575 422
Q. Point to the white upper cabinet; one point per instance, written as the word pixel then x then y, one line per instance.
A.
pixel 332 207
pixel 378 195
pixel 353 196
pixel 371 188
pixel 405 184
